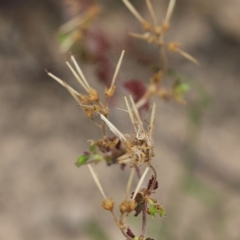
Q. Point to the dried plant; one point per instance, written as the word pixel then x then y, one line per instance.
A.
pixel 74 30
pixel 132 150
pixel 154 34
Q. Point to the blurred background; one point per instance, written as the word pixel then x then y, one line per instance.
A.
pixel 43 131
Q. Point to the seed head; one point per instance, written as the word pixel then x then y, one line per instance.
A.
pixel 108 204
pixel 127 206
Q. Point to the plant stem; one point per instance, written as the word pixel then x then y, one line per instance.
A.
pixel 138 171
pixel 144 219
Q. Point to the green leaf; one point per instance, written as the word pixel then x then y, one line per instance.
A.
pixel 183 87
pixel 97 158
pixel 152 211
pixel 180 88
pixel 156 209
pixel 92 149
pixel 161 211
pixel 82 160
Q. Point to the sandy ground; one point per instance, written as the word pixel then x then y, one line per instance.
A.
pixel 44 196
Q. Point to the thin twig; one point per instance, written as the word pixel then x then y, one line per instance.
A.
pixel 117 68
pixel 97 181
pixel 80 72
pixel 64 84
pixel 171 6
pixel 152 119
pixel 113 128
pixel 136 113
pixel 129 182
pixel 143 36
pixel 140 182
pixel 152 14
pixel 77 77
pixel 120 227
pixel 134 11
pixel 130 113
pixel 163 59
pixel 188 56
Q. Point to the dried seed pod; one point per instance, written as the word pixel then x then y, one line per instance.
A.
pixel 108 204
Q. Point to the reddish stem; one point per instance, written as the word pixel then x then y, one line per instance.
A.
pixel 138 171
pixel 144 219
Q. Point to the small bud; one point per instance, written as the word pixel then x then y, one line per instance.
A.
pixel 82 159
pixel 165 27
pixel 83 99
pixel 146 26
pixel 173 46
pixel 127 206
pixel 108 204
pixel 132 205
pixel 109 92
pixel 93 95
pixel 123 206
pixel 157 78
pixel 89 112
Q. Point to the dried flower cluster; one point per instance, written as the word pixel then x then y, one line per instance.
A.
pixel 139 149
pixel 154 34
pixel 133 149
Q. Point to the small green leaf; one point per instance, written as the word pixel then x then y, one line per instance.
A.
pixel 150 202
pixel 92 149
pixel 161 211
pixel 180 88
pixel 184 87
pixel 152 210
pixel 156 209
pixel 82 160
pixel 97 158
